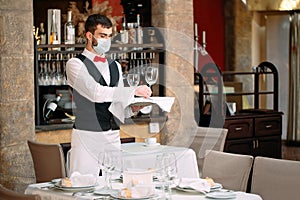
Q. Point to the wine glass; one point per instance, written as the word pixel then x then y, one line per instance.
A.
pixel 133 79
pixel 110 163
pixel 151 75
pixel 166 172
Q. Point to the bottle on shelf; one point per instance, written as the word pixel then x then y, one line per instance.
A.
pixel 51 107
pixel 54 39
pixel 124 32
pixel 139 30
pixel 42 34
pixel 69 30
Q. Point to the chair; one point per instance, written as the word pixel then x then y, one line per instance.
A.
pixel 208 139
pixel 48 161
pixel 231 170
pixel 6 194
pixel 275 179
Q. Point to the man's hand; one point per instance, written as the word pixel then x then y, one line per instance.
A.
pixel 136 109
pixel 143 91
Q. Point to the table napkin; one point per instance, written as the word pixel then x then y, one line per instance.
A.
pixel 197 184
pixel 82 180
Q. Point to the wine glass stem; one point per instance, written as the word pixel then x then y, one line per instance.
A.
pixel 107 177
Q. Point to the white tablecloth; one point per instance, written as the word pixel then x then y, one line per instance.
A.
pixel 138 155
pixel 55 194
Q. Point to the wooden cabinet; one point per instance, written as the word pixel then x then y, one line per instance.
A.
pixel 255 131
pixel 257 135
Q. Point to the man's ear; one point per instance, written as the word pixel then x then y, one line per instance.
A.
pixel 90 38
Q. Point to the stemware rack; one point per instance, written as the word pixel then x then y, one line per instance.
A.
pixel 50 61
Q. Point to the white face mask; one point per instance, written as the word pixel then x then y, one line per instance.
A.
pixel 103 45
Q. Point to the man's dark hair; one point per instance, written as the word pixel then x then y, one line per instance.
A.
pixel 96 19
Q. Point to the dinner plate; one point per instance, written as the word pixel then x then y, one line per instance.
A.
pixel 216 187
pixel 56 180
pixel 117 196
pixel 190 190
pixel 72 189
pixel 221 195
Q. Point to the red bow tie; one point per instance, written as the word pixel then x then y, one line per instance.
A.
pixel 99 59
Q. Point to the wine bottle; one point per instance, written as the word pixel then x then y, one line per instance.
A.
pixel 124 32
pixel 69 29
pixel 53 31
pixel 139 30
pixel 42 34
pixel 52 107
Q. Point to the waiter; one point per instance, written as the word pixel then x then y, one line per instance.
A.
pixel 100 97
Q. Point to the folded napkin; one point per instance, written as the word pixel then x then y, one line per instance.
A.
pixel 138 191
pixel 197 184
pixel 82 180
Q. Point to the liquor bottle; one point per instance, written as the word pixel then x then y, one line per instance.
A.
pixel 69 29
pixel 53 31
pixel 51 107
pixel 124 33
pixel 139 30
pixel 42 34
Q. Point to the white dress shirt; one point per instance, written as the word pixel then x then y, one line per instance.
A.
pixel 79 79
pixel 86 145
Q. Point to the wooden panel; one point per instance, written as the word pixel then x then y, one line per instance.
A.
pixel 239 128
pixel 242 146
pixel 267 126
pixel 64 136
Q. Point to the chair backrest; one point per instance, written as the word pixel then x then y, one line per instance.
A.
pixel 231 170
pixel 276 179
pixel 6 194
pixel 48 161
pixel 208 139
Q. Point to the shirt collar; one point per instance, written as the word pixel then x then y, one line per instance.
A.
pixel 90 55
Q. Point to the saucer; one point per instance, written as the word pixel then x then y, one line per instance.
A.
pixel 152 145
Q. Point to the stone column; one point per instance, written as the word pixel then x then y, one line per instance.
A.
pixel 176 21
pixel 238 32
pixel 16 93
pixel 238 37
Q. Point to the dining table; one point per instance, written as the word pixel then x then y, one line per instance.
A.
pixel 47 191
pixel 139 155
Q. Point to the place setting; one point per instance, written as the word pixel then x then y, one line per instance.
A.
pixel 205 186
pixel 137 183
pixel 76 182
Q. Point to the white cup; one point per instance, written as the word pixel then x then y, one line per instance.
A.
pixel 150 141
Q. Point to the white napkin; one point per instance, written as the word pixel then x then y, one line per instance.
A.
pixel 82 180
pixel 197 184
pixel 142 190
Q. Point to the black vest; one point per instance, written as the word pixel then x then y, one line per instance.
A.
pixel 93 116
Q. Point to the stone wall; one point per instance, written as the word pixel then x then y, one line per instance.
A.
pixel 16 93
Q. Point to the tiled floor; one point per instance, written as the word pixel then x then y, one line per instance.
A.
pixel 290 152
